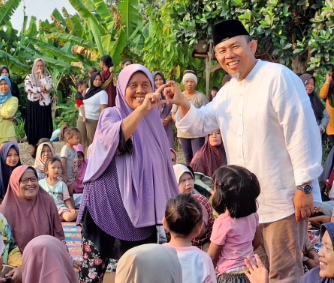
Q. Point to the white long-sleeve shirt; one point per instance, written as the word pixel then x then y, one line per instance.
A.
pixel 268 126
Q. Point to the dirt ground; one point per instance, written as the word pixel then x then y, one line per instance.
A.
pixel 27 160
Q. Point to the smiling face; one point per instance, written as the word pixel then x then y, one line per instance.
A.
pixel 326 257
pixel 4 87
pixel 97 81
pixel 12 157
pixel 46 153
pixel 310 86
pixel 139 85
pixel 215 139
pixel 236 56
pixel 39 67
pixel 158 80
pixel 29 184
pixel 54 170
pixel 186 184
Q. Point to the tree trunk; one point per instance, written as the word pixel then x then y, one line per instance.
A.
pixel 299 64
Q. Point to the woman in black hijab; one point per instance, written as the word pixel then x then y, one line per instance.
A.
pixel 320 113
pixel 4 71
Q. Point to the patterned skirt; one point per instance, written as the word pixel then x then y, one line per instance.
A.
pixel 232 278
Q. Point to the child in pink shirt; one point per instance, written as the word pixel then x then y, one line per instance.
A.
pixel 183 219
pixel 234 231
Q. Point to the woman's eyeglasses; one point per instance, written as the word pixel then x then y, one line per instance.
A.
pixel 26 181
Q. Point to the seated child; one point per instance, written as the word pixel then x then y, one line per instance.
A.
pixel 69 158
pixel 57 189
pixel 236 229
pixel 185 179
pixel 44 152
pixel 183 220
pixel 80 85
pixel 310 258
pixel 82 165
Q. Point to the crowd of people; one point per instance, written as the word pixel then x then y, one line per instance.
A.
pixel 236 211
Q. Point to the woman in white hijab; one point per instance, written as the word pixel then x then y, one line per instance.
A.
pixel 38 122
pixel 149 263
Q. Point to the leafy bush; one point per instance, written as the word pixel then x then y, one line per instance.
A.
pixel 19 130
pixel 66 112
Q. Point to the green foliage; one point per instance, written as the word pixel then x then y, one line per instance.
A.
pixel 7 10
pixel 130 15
pixel 163 51
pixel 66 112
pixel 19 130
pixel 284 30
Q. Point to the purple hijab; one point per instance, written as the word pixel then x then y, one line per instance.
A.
pixel 146 177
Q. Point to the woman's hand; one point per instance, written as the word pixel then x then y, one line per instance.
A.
pixel 43 89
pixel 164 122
pixel 77 264
pixel 256 273
pixel 152 100
pixel 16 275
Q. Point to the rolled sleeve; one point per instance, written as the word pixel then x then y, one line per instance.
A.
pixel 198 122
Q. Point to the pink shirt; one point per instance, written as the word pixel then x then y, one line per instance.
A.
pixel 235 236
pixel 196 265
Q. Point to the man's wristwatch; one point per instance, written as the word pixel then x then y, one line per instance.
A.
pixel 305 188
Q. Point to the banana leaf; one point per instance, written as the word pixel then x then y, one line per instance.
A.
pixel 10 60
pixel 97 36
pixel 7 10
pixel 73 39
pixel 130 15
pixel 118 46
pixel 77 31
pixel 86 14
pixel 53 50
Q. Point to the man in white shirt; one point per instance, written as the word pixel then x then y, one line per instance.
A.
pixel 268 126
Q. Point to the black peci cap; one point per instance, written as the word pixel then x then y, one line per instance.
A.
pixel 226 30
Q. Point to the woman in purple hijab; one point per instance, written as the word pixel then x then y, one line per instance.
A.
pixel 129 177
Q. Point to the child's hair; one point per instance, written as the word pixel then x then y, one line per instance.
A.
pixel 78 83
pixel 70 132
pixel 40 141
pixel 236 190
pixel 63 128
pixel 51 160
pixel 92 69
pixel 183 213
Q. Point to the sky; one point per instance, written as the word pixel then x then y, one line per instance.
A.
pixel 41 9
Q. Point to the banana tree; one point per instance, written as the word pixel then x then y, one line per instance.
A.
pixel 97 29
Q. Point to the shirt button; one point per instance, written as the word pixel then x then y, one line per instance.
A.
pixel 240 115
pixel 239 136
pixel 239 156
